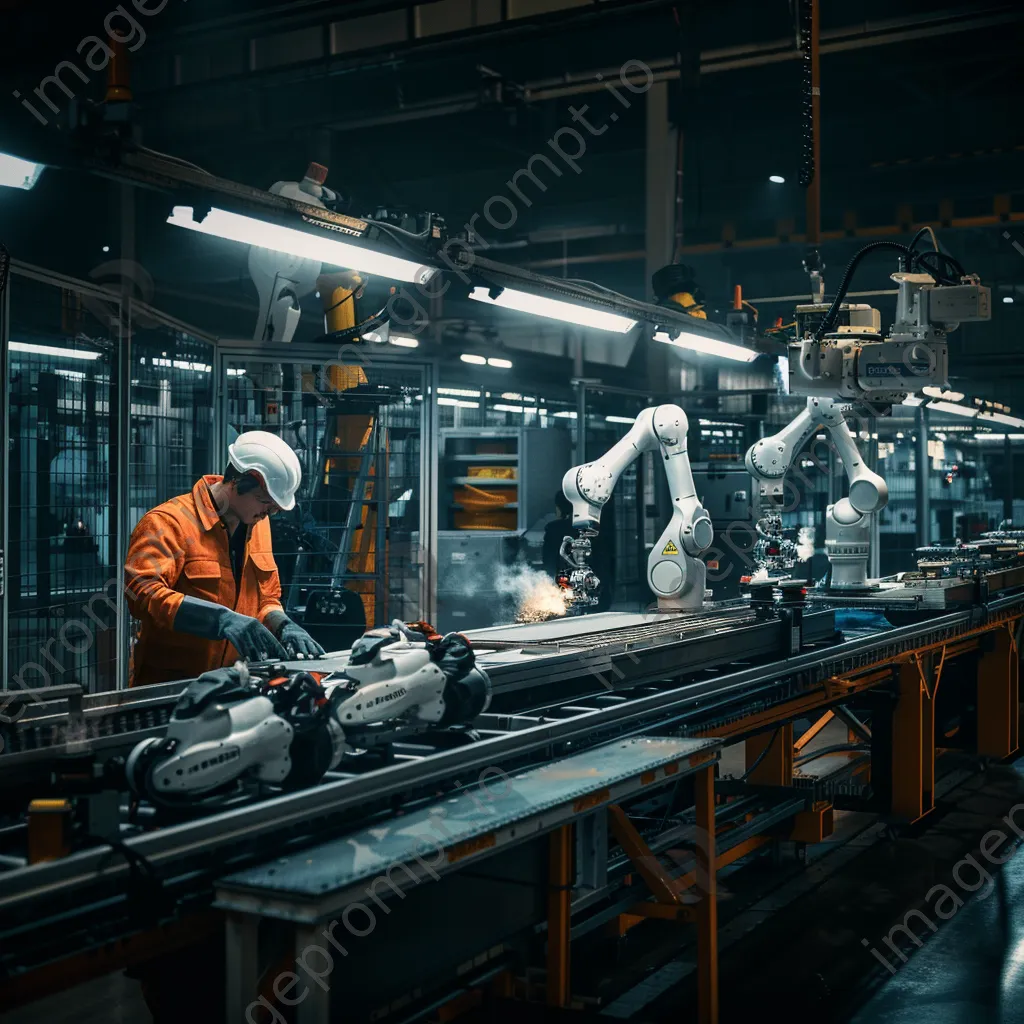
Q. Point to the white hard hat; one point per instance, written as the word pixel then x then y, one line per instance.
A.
pixel 258 451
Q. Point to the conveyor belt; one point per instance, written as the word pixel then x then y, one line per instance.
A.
pixel 74 902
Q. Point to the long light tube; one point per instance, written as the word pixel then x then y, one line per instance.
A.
pixel 249 231
pixel 707 346
pixel 52 350
pixel 555 309
pixel 18 173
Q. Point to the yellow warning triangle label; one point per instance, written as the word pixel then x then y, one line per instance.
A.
pixel 670 549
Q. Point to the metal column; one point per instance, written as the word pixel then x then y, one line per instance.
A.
pixel 660 187
pixel 5 333
pixel 1007 478
pixel 922 495
pixel 561 857
pixel 707 889
pixel 120 431
pixel 871 460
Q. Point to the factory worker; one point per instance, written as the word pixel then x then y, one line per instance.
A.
pixel 200 574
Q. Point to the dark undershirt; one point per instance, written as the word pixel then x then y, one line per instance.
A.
pixel 236 545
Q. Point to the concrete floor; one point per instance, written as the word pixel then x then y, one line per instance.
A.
pixel 969 972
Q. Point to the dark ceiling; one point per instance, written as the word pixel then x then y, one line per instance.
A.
pixel 435 106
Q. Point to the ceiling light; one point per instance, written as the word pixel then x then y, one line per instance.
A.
pixel 1008 299
pixel 306 244
pixel 998 417
pixel 776 179
pixel 707 346
pixel 403 342
pixel 514 396
pixel 469 357
pixel 954 410
pixel 555 309
pixel 566 414
pixel 458 403
pixel 18 173
pixel 501 364
pixel 620 419
pixel 500 407
pixel 459 392
pixel 52 350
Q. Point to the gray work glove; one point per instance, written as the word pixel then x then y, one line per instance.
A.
pixel 252 640
pixel 293 636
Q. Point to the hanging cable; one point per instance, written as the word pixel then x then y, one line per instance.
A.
pixel 830 318
pixel 807 168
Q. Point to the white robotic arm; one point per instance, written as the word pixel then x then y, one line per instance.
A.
pixel 674 570
pixel 282 279
pixel 847 526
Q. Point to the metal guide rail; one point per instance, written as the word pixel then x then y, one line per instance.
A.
pixel 73 903
pixel 60 721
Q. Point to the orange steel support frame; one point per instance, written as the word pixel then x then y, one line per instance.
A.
pixel 560 879
pixel 707 889
pixel 999 696
pixel 776 752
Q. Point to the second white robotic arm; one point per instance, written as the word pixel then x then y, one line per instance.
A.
pixel 674 570
pixel 847 526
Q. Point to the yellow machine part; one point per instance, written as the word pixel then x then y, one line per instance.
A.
pixel 352 434
pixel 686 300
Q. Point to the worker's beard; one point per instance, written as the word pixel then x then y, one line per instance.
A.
pixel 537 597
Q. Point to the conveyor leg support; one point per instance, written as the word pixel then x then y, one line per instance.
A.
pixel 776 766
pixel 241 964
pixel 316 1007
pixel 913 742
pixel 999 696
pixel 560 877
pixel 707 888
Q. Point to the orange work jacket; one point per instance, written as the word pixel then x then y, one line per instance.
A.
pixel 181 549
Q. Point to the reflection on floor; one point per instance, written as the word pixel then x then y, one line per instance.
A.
pixel 972 970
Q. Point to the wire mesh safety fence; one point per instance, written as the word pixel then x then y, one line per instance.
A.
pixel 66 527
pixel 349 554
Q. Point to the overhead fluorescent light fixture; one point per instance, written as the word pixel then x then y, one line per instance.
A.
pixel 404 342
pixel 52 350
pixel 620 419
pixel 458 403
pixel 566 414
pixel 474 360
pixel 776 179
pixel 1008 299
pixel 250 231
pixel 1001 418
pixel 501 364
pixel 18 173
pixel 998 437
pixel 501 407
pixel 555 309
pixel 707 346
pixel 953 410
pixel 459 392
